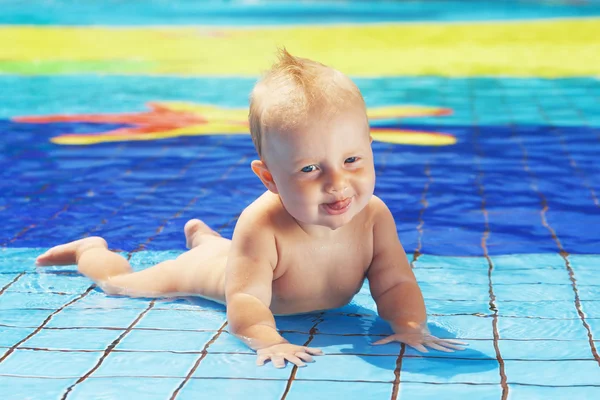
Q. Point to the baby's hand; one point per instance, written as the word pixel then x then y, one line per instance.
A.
pixel 420 341
pixel 286 351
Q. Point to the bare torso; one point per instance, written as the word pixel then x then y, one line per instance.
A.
pixel 310 273
pixel 320 273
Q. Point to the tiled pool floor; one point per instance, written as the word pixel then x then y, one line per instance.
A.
pixel 126 119
pixel 521 315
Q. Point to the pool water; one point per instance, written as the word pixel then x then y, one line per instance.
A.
pixel 125 120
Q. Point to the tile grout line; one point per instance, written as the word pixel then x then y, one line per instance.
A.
pixel 398 371
pixel 562 252
pixel 318 319
pixel 556 131
pixel 182 172
pixel 107 351
pixel 203 355
pixel 481 189
pixel 421 221
pixel 45 322
pixel 9 284
pixel 47 185
pixel 73 201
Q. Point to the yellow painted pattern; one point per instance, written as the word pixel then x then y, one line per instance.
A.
pixel 546 48
pixel 175 119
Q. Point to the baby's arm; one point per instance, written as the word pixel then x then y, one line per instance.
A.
pixel 395 290
pixel 248 290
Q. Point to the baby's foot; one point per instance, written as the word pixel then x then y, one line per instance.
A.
pixel 194 229
pixel 66 254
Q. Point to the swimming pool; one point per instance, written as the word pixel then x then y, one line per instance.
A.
pixel 125 121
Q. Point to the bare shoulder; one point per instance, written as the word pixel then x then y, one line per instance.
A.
pixel 254 233
pixel 378 211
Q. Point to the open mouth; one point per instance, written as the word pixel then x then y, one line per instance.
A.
pixel 338 207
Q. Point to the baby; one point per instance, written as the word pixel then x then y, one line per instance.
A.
pixel 307 243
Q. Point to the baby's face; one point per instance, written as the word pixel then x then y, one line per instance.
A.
pixel 324 171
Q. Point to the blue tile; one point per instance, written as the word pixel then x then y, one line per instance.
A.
pixel 476 264
pixel 48 280
pixel 337 344
pixel 594 325
pixel 178 319
pixel 232 389
pixel 73 339
pixel 55 364
pixel 524 328
pixel 97 299
pixel 544 309
pixel 409 390
pixel 7 278
pixel 239 366
pixel 10 336
pixel 589 292
pixel 125 387
pixel 548 275
pixel 590 308
pixel 165 340
pixel 449 370
pixel 461 327
pixel 18 388
pixel 524 392
pixel 580 262
pixel 10 300
pixel 553 372
pixel 94 318
pixel 339 390
pixel 535 292
pixel 154 364
pixel 228 343
pixel 355 368
pixel 445 291
pixel 364 325
pixel 476 349
pixel 545 350
pixel 475 276
pixel 448 307
pixel 524 261
pixel 24 317
pixel 298 323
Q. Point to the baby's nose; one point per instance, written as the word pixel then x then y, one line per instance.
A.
pixel 337 183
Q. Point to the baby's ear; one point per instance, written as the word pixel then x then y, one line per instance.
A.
pixel 370 139
pixel 261 170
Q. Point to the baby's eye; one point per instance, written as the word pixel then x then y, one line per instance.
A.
pixel 351 160
pixel 309 168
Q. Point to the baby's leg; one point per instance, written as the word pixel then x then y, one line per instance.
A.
pixel 109 270
pixel 200 271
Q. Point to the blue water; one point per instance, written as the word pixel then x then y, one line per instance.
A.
pixel 502 227
pixel 189 12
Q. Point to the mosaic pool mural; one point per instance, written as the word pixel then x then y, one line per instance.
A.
pixel 126 119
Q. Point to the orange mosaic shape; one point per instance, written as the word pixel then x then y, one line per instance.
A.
pixel 174 119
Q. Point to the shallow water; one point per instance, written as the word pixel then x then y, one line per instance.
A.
pixel 487 159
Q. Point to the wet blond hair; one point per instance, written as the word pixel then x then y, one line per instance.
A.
pixel 294 90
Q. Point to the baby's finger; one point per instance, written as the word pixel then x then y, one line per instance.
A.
pixel 419 347
pixel 294 360
pixel 384 341
pixel 304 357
pixel 313 351
pixel 260 360
pixel 278 361
pixel 436 346
pixel 450 346
pixel 454 341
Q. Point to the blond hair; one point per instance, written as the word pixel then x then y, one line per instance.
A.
pixel 293 90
